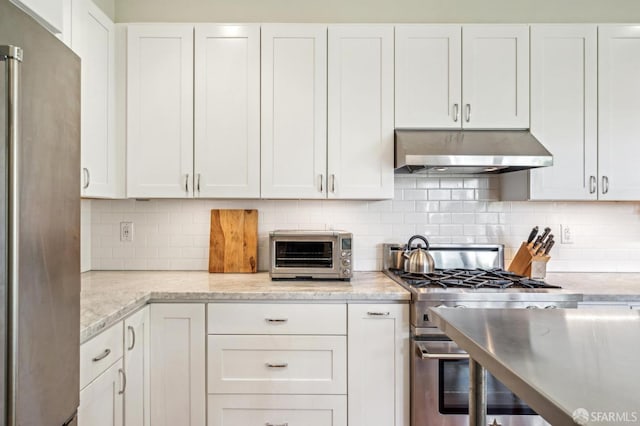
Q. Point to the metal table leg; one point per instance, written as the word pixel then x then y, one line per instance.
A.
pixel 477 394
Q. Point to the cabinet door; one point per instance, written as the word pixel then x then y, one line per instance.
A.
pixel 93 39
pixel 378 365
pixel 136 367
pixel 564 110
pixel 360 122
pixel 619 112
pixel 495 76
pixel 177 364
pixel 101 401
pixel 160 111
pixel 428 76
pixel 294 111
pixel 227 111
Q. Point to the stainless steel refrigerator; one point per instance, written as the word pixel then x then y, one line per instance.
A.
pixel 40 231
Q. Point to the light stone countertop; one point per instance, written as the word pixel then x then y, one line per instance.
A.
pixel 599 286
pixel 108 297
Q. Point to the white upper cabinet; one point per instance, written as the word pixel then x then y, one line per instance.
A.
pixel 495 77
pixel 93 39
pixel 294 111
pixel 470 76
pixel 227 111
pixel 160 111
pixel 564 110
pixel 360 111
pixel 619 112
pixel 49 13
pixel 428 76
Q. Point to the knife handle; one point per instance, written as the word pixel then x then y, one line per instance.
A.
pixel 548 249
pixel 532 235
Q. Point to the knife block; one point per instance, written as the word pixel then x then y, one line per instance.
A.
pixel 526 263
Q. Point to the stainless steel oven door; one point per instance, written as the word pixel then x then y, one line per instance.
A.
pixel 440 390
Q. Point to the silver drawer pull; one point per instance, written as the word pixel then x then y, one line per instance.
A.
pixel 133 338
pixel 124 381
pixel 281 365
pixel 102 356
pixel 378 314
pixel 276 320
pixel 276 424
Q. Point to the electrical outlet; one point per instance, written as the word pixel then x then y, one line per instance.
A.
pixel 566 234
pixel 126 231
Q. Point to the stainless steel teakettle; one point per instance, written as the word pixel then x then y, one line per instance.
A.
pixel 418 260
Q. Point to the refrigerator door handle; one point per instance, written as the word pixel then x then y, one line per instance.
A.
pixel 12 57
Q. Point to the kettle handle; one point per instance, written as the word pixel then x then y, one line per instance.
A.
pixel 418 237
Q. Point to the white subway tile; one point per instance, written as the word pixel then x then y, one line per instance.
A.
pixel 416 218
pixel 439 218
pixel 180 240
pixel 463 194
pixel 463 218
pixel 415 194
pixel 428 183
pixel 451 206
pixel 428 230
pixel 427 206
pixel 405 182
pixel 440 194
pixel 451 230
pixel 487 218
pixel 476 230
pixel 451 183
pixel 404 206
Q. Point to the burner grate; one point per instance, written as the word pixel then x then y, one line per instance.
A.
pixel 471 278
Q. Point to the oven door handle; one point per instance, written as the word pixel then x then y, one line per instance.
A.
pixel 424 353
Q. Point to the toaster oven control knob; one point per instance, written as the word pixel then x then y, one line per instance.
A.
pixel 346 262
pixel 346 271
pixel 345 254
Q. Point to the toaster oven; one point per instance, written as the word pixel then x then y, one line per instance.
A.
pixel 311 255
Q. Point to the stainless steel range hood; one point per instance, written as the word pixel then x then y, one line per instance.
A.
pixel 468 151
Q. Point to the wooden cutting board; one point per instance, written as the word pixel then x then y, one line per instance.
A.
pixel 233 242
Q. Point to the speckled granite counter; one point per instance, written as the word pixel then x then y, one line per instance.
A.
pixel 107 297
pixel 600 286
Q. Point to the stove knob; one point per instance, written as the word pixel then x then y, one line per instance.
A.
pixel 532 307
pixel 495 423
pixel 551 307
pixel 460 306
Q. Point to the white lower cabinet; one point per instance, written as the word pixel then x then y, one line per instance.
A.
pixel 378 340
pixel 136 367
pixel 177 364
pixel 101 402
pixel 277 410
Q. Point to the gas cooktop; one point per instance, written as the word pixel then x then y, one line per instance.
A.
pixel 495 278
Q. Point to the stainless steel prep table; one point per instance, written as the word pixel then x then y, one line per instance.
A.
pixel 571 366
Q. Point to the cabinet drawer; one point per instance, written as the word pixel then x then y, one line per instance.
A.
pixel 277 318
pixel 99 353
pixel 290 410
pixel 277 364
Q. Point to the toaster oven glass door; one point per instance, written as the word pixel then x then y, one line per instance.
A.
pixel 304 254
